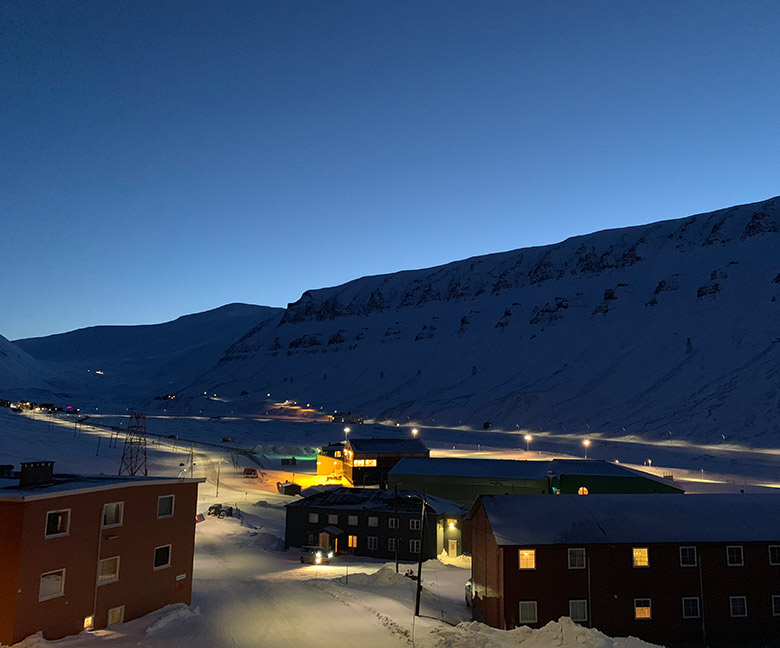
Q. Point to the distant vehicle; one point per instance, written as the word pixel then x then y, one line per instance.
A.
pixel 217 510
pixel 288 488
pixel 469 592
pixel 315 555
pixel 251 473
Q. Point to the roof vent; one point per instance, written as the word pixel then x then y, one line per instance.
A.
pixel 36 472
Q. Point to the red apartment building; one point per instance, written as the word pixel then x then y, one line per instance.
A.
pixel 91 551
pixel 683 570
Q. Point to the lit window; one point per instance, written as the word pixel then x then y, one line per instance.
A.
pixel 414 546
pixel 582 490
pixel 642 609
pixel 52 585
pixel 352 520
pixel 734 556
pixel 333 519
pixel 112 514
pixel 392 544
pixel 527 612
pixel 108 570
pixel 738 605
pixel 89 622
pixel 352 541
pixel 373 543
pixel 314 518
pixel 688 557
pixel 162 557
pixel 641 557
pixel 774 554
pixel 776 605
pixel 373 521
pixel 527 558
pixel 576 558
pixel 165 506
pixel 359 463
pixel 337 453
pixel 578 610
pixel 414 524
pixel 57 523
pixel 690 607
pixel 116 615
pixel 392 523
pixel 370 463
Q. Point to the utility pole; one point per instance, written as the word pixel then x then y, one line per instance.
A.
pixel 420 560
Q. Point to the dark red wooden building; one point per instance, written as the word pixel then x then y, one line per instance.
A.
pixel 685 570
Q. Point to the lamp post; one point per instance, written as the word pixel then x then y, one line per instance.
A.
pixel 527 438
pixel 420 560
pixel 414 433
pixel 219 466
pixel 586 443
pixel 346 432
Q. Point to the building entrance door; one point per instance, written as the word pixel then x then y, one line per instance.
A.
pixel 453 548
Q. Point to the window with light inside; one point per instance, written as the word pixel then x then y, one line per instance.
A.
pixel 641 557
pixel 527 558
pixel 642 609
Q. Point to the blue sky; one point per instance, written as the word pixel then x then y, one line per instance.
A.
pixel 160 159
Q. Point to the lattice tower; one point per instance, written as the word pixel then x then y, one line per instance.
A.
pixel 134 451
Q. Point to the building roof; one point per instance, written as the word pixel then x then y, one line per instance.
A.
pixel 598 519
pixel 387 446
pixel 513 468
pixel 62 485
pixel 381 501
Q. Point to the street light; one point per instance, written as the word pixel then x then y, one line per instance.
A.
pixel 414 432
pixel 586 443
pixel 527 438
pixel 346 432
pixel 219 466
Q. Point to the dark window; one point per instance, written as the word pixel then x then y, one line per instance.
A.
pixel 688 557
pixel 738 605
pixel 734 556
pixel 576 558
pixel 57 523
pixel 690 607
pixel 774 554
pixel 165 506
pixel 162 557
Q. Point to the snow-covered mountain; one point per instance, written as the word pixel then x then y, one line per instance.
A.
pixel 667 328
pixel 20 371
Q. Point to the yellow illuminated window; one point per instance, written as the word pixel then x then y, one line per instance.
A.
pixel 641 557
pixel 370 462
pixel 527 558
pixel 352 541
pixel 89 622
pixel 642 609
pixel 359 463
pixel 582 491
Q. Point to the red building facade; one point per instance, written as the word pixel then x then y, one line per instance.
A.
pixel 689 570
pixel 87 552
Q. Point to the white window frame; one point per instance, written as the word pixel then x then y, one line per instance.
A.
pixel 62 533
pixel 392 544
pixel 414 524
pixel 61 592
pixel 741 562
pixel 414 545
pixel 573 603
pixel 392 523
pixel 333 518
pixel 529 555
pixel 314 518
pixel 108 579
pixel 695 562
pixel 578 551
pixel 113 610
pixel 154 557
pixel 121 515
pixel 173 506
pixel 649 606
pixel 373 543
pixel 526 619
pixel 352 520
pixel 698 607
pixel 777 551
pixel 775 605
pixel 373 521
pixel 732 601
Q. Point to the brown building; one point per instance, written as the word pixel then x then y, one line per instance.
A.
pixel 90 551
pixel 689 570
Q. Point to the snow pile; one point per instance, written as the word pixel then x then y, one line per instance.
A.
pixel 173 614
pixel 563 633
pixel 463 560
pixel 383 577
pixel 268 541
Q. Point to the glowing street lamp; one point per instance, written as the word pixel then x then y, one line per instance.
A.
pixel 414 432
pixel 586 443
pixel 346 432
pixel 528 439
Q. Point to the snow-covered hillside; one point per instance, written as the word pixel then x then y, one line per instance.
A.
pixel 664 330
pixel 21 373
pixel 669 327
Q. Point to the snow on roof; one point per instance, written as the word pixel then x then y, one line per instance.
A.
pixel 373 499
pixel 68 484
pixel 389 446
pixel 512 468
pixel 596 519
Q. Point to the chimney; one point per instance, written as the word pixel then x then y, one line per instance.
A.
pixel 36 472
pixel 7 471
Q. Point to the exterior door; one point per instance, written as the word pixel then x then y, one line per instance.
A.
pixel 453 548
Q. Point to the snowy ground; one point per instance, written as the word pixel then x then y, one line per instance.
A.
pixel 248 592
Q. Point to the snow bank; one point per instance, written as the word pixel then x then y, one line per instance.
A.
pixel 382 577
pixel 458 561
pixel 173 614
pixel 563 633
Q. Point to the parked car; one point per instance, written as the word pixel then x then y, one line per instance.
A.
pixel 251 473
pixel 220 511
pixel 315 555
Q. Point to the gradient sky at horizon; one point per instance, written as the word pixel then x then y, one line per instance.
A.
pixel 160 159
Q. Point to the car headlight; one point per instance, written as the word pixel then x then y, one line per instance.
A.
pixel 330 554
